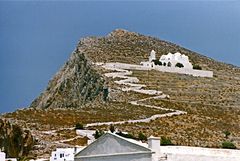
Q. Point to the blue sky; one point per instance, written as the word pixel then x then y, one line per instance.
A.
pixel 38 37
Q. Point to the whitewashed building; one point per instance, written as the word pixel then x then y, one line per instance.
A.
pixel 2 156
pixel 111 147
pixel 171 60
pixel 150 62
pixel 168 64
pixel 64 154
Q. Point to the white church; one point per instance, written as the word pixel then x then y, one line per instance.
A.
pixel 173 63
pixel 172 59
pixel 169 60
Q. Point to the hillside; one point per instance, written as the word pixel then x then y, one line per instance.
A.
pixel 79 82
pixel 75 94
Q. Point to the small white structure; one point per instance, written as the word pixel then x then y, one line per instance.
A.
pixel 150 62
pixel 64 154
pixel 171 60
pixel 154 145
pixel 2 156
pixel 152 56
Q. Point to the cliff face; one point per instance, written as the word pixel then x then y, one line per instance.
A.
pixel 75 84
pixel 15 141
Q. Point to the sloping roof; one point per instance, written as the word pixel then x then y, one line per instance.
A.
pixel 113 144
pixel 132 141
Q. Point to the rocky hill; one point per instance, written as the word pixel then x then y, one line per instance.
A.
pixel 75 95
pixel 15 141
pixel 79 82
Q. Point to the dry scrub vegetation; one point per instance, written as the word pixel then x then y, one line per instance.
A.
pixel 56 118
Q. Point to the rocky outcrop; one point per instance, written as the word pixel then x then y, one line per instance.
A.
pixel 15 141
pixel 76 84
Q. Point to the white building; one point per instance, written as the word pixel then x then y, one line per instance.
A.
pixel 111 147
pixel 64 154
pixel 171 60
pixel 150 62
pixel 2 156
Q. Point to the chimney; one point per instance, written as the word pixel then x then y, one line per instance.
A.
pixel 154 144
pixel 75 150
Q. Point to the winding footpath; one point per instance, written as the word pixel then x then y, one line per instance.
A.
pixel 131 84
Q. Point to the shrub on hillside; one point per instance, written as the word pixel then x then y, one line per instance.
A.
pixel 197 67
pixel 227 133
pixel 105 94
pixel 79 126
pixel 142 137
pixel 98 133
pixel 126 135
pixel 228 145
pixel 112 128
pixel 166 141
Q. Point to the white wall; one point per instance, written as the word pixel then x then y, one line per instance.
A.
pixel 198 73
pixel 184 153
pixel 2 156
pixel 186 157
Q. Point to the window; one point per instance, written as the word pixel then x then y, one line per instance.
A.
pixel 61 155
